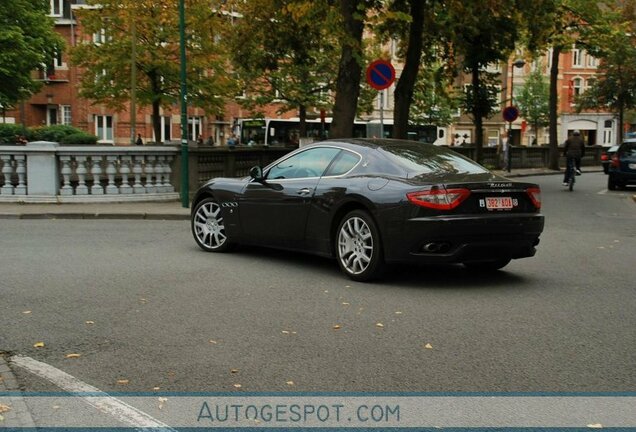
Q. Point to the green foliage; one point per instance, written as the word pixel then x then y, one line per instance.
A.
pixel 53 133
pixel 10 132
pixel 107 63
pixel 27 41
pixel 285 53
pixel 433 100
pixel 534 100
pixel 79 138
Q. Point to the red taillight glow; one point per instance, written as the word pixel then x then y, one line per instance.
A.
pixel 439 198
pixel 535 195
pixel 604 156
pixel 615 161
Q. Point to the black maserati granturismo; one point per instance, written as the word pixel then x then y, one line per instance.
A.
pixel 369 202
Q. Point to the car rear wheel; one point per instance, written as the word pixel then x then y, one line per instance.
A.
pixel 358 248
pixel 208 227
pixel 490 265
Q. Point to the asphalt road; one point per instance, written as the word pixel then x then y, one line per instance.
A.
pixel 140 302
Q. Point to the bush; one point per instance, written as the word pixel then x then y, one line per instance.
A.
pixel 9 133
pixel 79 138
pixel 55 133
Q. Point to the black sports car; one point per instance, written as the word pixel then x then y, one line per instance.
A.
pixel 368 202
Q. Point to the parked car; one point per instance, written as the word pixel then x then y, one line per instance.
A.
pixel 622 168
pixel 368 202
pixel 606 157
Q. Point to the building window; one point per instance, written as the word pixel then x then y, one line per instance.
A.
pixel 51 115
pixel 607 132
pixel 577 57
pixel 57 8
pixel 166 129
pixel 66 115
pixel 57 59
pixel 99 37
pixel 577 86
pixel 104 128
pixel 592 61
pixel 195 128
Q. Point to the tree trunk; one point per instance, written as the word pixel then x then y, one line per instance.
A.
pixel 302 127
pixel 477 115
pixel 156 120
pixel 553 162
pixel 349 71
pixel 406 83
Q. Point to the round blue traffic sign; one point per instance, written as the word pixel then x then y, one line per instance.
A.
pixel 380 74
pixel 510 113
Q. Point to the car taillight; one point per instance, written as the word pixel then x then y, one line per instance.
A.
pixel 604 157
pixel 535 196
pixel 615 163
pixel 439 198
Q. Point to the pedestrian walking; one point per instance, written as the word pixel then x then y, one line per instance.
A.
pixel 139 140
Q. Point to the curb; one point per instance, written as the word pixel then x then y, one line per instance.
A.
pixel 17 415
pixel 94 216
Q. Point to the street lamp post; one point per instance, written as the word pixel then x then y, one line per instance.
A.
pixel 185 191
pixel 518 63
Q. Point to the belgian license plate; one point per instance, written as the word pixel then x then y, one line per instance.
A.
pixel 500 203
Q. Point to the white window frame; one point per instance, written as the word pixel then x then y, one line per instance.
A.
pixel 60 7
pixel 592 62
pixel 195 127
pixel 577 90
pixel 101 122
pixel 577 57
pixel 67 118
pixel 166 126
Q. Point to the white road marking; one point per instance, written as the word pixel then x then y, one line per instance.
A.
pixel 106 403
pixel 603 192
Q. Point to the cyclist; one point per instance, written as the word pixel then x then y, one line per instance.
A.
pixel 573 151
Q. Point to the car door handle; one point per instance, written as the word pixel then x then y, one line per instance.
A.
pixel 303 191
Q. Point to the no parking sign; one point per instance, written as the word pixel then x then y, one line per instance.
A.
pixel 380 74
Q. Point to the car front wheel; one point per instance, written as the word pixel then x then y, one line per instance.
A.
pixel 208 227
pixel 358 248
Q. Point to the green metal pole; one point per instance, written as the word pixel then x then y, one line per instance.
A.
pixel 185 175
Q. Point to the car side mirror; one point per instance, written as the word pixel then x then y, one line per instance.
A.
pixel 256 173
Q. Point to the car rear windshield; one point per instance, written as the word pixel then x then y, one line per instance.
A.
pixel 426 159
pixel 629 149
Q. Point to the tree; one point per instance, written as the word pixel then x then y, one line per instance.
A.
pixel 353 15
pixel 433 101
pixel 485 33
pixel 285 52
pixel 27 42
pixel 107 58
pixel 533 101
pixel 614 43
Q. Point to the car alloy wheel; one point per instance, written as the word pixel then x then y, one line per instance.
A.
pixel 358 247
pixel 208 226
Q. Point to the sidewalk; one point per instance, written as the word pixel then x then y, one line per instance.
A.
pixel 170 210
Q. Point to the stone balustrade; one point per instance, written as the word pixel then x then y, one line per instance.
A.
pixel 48 172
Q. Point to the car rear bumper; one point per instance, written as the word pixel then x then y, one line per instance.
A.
pixel 456 239
pixel 622 176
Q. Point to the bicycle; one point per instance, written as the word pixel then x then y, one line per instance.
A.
pixel 572 177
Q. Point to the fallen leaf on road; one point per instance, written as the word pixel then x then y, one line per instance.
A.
pixel 428 346
pixel 285 332
pixel 90 322
pixel 347 286
pixel 398 313
pixel 26 312
pixel 39 345
pixel 601 247
pixel 213 342
pixel 237 386
pixel 337 327
pixel 346 304
pixel 122 381
pixel 72 356
pixel 290 383
pixel 294 332
pixel 595 426
pixel 4 408
pixel 234 371
pixel 326 291
pixel 379 325
pixel 156 388
pixel 162 400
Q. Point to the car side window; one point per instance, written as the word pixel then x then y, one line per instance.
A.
pixel 630 150
pixel 343 163
pixel 309 163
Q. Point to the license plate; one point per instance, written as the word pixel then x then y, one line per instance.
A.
pixel 500 203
